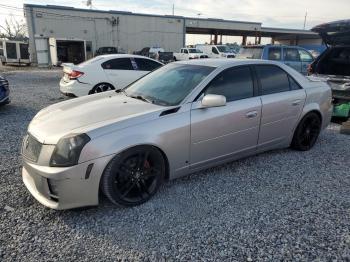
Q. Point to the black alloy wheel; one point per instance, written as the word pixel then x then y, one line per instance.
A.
pixel 102 87
pixel 307 132
pixel 134 176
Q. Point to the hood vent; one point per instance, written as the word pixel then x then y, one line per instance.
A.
pixel 170 111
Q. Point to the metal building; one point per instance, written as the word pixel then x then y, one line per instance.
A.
pixel 67 34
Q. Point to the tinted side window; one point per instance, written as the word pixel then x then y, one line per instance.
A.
pixel 233 83
pixel 118 64
pixel 274 53
pixel 186 51
pixel 213 49
pixel 272 79
pixel 293 84
pixel 291 54
pixel 146 65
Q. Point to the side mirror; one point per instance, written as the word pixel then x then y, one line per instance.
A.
pixel 213 101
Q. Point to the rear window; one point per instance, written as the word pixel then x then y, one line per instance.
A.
pixel 250 52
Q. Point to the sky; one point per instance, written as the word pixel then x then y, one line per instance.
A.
pixel 272 13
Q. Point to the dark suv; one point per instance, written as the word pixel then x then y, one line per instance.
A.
pixel 106 50
pixel 333 65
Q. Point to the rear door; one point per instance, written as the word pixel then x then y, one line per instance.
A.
pixel 282 103
pixel 222 132
pixel 120 72
pixel 291 58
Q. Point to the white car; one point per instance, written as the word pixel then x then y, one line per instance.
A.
pixel 217 51
pixel 105 72
pixel 188 54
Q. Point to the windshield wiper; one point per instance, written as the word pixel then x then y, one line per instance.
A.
pixel 121 91
pixel 142 98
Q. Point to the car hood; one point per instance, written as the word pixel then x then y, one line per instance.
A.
pixel 334 33
pixel 81 115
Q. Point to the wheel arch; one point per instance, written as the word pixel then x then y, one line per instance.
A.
pixel 166 160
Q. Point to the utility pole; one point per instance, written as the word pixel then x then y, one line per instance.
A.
pixel 173 9
pixel 305 20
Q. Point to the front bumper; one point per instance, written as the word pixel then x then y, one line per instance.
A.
pixel 65 187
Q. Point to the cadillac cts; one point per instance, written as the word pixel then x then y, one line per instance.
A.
pixel 181 118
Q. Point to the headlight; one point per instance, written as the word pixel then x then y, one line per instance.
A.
pixel 68 149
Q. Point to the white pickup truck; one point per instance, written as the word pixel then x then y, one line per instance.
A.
pixel 189 53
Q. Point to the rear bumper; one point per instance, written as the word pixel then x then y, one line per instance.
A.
pixel 74 88
pixel 66 187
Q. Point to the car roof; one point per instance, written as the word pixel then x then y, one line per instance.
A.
pixel 109 56
pixel 223 62
pixel 271 45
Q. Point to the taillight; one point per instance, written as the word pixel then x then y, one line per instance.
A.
pixel 75 74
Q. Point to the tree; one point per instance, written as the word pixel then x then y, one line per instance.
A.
pixel 13 29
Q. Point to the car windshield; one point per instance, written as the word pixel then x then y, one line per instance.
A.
pixel 223 49
pixel 250 52
pixel 170 84
pixel 193 50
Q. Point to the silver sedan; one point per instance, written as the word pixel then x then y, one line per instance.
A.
pixel 181 118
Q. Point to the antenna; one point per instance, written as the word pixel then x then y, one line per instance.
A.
pixel 305 20
pixel 173 9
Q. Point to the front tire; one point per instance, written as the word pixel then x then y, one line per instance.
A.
pixel 307 132
pixel 101 87
pixel 133 176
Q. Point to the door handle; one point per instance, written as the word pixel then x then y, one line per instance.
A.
pixel 251 114
pixel 296 102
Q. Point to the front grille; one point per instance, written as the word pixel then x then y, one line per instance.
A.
pixel 230 56
pixel 31 148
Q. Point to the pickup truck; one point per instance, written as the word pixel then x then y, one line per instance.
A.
pixel 189 53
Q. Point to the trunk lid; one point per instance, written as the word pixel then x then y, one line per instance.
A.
pixel 334 33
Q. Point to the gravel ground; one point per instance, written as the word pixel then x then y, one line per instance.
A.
pixel 280 205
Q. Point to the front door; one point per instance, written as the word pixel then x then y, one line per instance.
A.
pixel 291 58
pixel 306 59
pixel 219 133
pixel 282 103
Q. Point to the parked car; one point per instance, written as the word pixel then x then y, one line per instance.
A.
pixel 103 73
pixel 181 118
pixel 333 65
pixel 4 91
pixel 106 50
pixel 165 57
pixel 217 51
pixel 189 53
pixel 293 56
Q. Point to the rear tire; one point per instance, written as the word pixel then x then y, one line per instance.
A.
pixel 307 132
pixel 133 176
pixel 101 87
